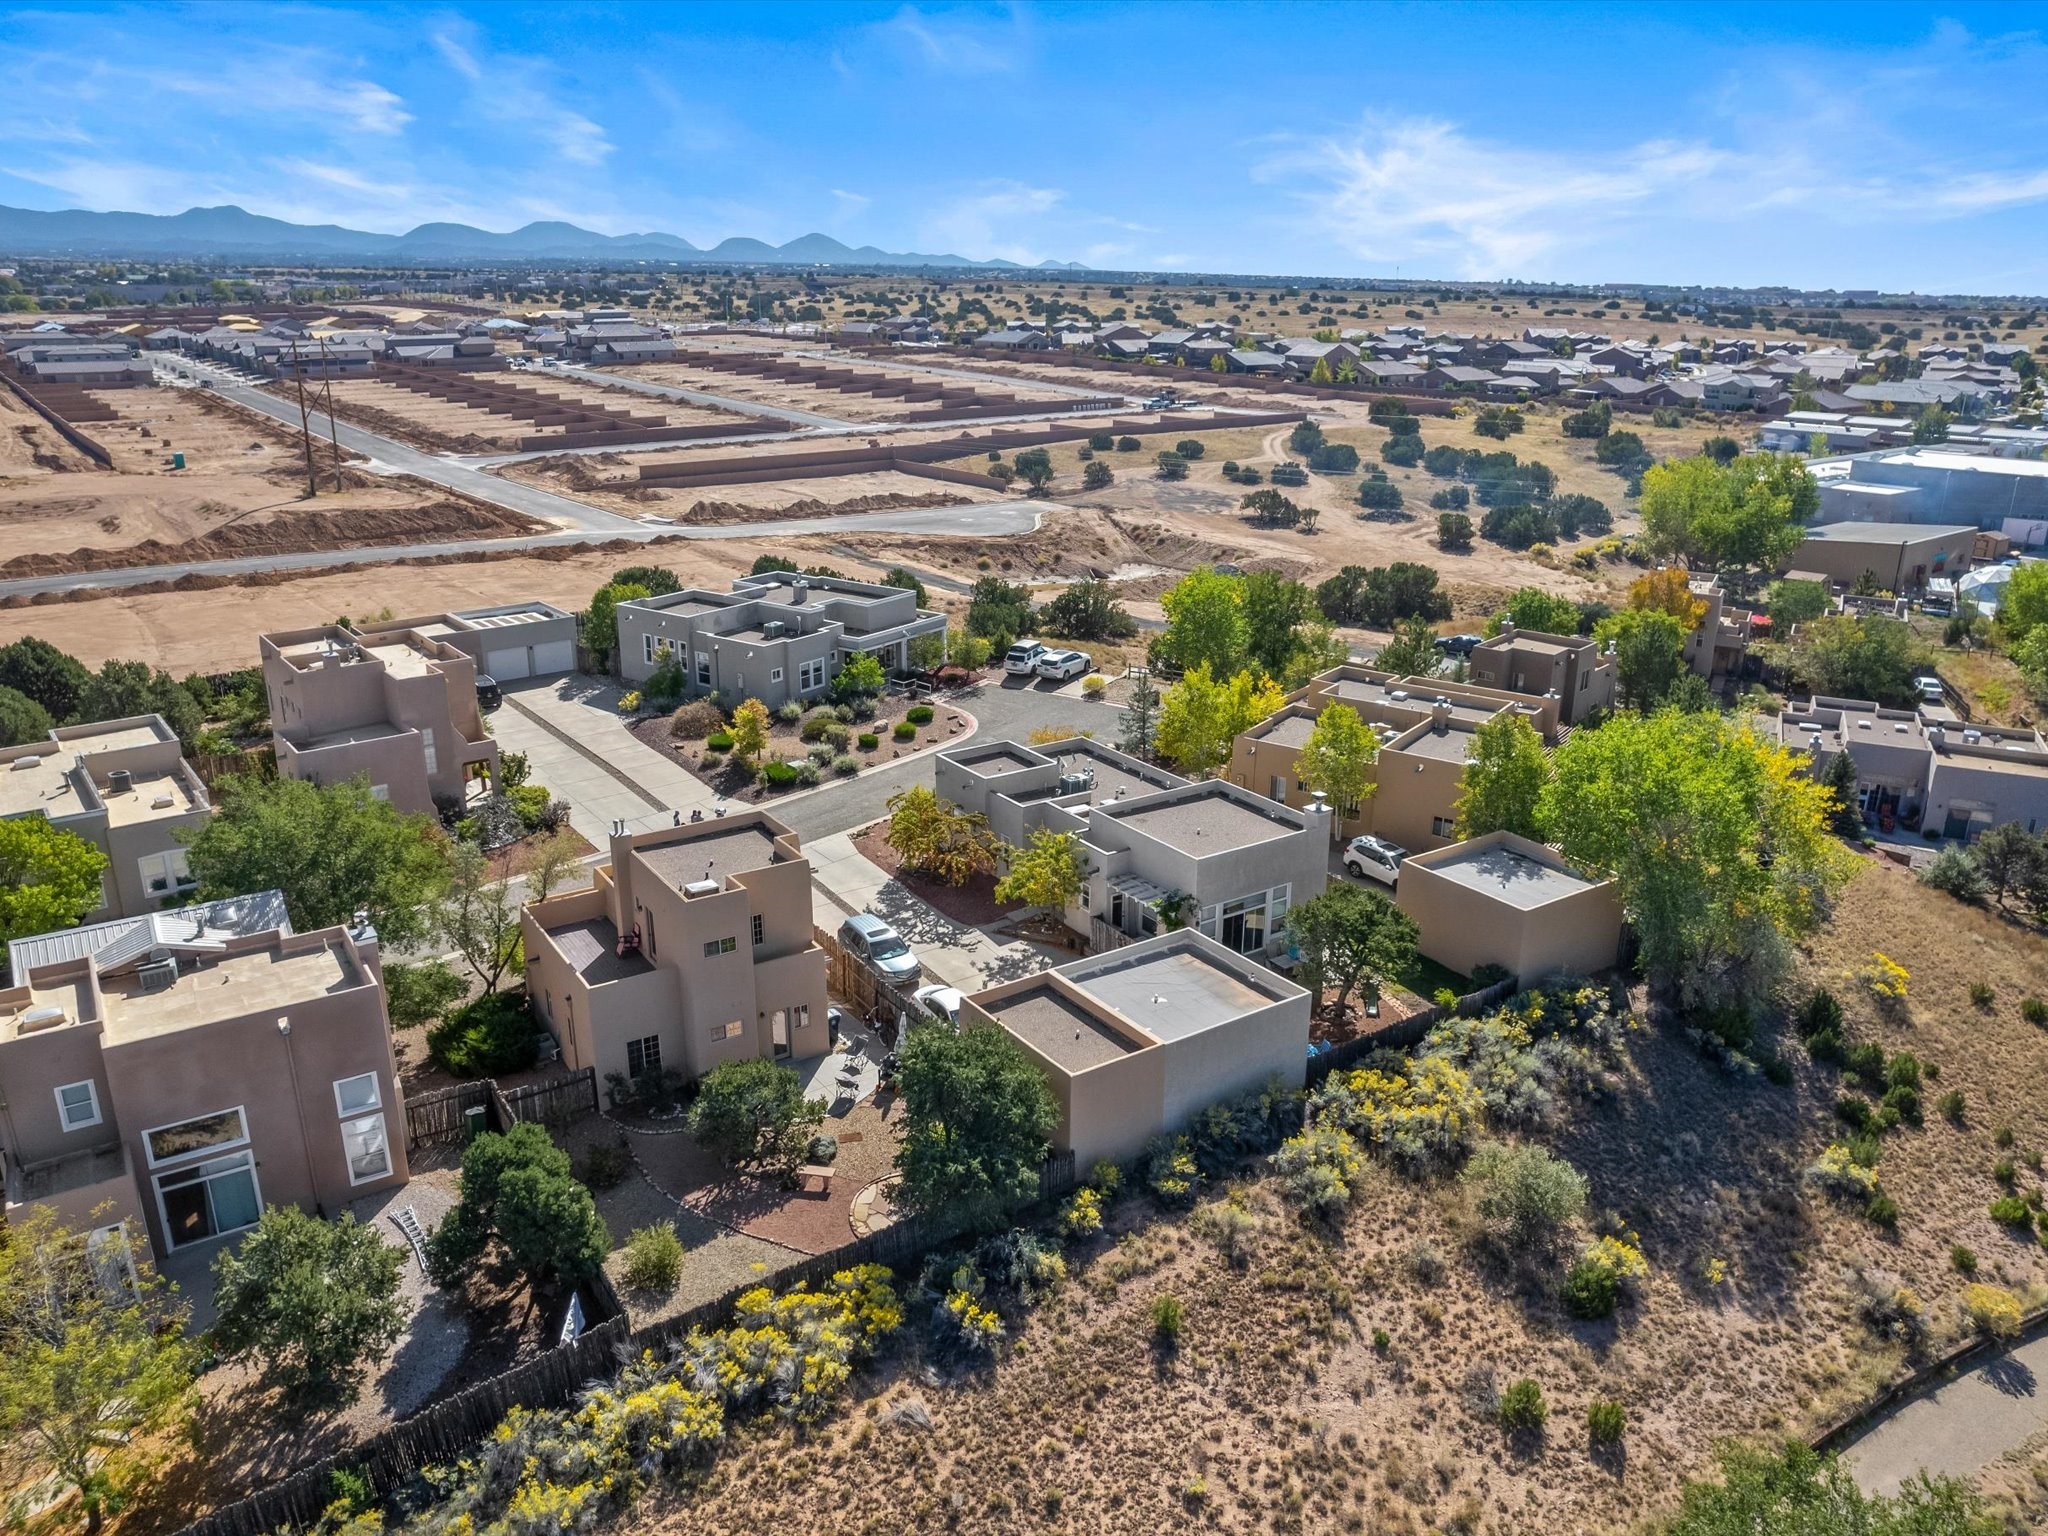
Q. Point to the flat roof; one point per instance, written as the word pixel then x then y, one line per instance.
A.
pixel 353 735
pixel 1530 640
pixel 46 787
pixel 591 949
pixel 1287 730
pixel 1173 993
pixel 1507 875
pixel 1453 744
pixel 1938 458
pixel 402 658
pixel 711 856
pixel 1205 823
pixel 71 994
pixel 140 803
pixel 226 989
pixel 1851 532
pixel 1059 1029
pixel 997 757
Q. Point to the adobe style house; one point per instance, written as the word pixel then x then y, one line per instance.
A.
pixel 774 637
pixel 398 706
pixel 1425 726
pixel 693 948
pixel 1504 900
pixel 1939 776
pixel 1571 667
pixel 124 787
pixel 179 1072
pixel 507 643
pixel 1721 640
pixel 1231 862
pixel 1137 1041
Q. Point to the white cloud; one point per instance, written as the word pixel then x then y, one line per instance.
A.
pixel 509 91
pixel 956 44
pixel 285 81
pixel 989 222
pixel 850 203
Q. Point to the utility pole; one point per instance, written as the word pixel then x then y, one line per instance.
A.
pixel 327 398
pixel 305 424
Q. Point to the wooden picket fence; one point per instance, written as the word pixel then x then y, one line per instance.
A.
pixel 442 1115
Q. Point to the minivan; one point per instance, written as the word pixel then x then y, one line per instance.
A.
pixel 870 939
pixel 1023 658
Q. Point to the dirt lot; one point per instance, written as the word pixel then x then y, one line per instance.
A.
pixel 449 426
pixel 611 481
pixel 828 402
pixel 1279 1411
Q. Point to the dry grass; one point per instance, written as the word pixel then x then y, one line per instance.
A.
pixel 1278 1411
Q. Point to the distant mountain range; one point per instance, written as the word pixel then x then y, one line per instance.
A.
pixel 234 233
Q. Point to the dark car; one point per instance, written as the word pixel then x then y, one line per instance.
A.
pixel 488 694
pixel 1459 645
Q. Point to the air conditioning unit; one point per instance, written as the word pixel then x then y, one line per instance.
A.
pixel 159 975
pixel 772 629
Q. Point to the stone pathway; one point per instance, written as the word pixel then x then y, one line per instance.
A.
pixel 1961 1426
pixel 872 1211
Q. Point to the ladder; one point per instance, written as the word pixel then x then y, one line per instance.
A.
pixel 408 1223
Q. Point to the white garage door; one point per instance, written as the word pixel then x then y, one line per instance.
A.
pixel 507 664
pixel 560 656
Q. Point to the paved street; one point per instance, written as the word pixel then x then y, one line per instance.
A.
pixel 1960 1427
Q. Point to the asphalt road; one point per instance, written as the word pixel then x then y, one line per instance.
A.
pixel 995 519
pixel 1959 1427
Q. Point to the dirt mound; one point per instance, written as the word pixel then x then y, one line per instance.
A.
pixel 810 506
pixel 579 471
pixel 288 534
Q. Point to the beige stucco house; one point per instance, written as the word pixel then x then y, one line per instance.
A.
pixel 1570 668
pixel 693 948
pixel 176 1075
pixel 1939 775
pixel 124 787
pixel 398 706
pixel 1136 1041
pixel 1504 900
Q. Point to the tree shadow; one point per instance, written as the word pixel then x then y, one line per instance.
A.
pixel 2011 1376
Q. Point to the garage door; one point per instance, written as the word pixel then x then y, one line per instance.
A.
pixel 560 656
pixel 507 664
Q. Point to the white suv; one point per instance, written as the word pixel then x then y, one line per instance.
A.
pixel 1023 657
pixel 1374 858
pixel 1061 665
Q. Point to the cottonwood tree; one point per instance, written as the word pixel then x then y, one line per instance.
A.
pixel 49 878
pixel 1648 654
pixel 22 719
pixel 1340 758
pixel 1048 871
pixel 1751 512
pixel 1668 591
pixel 1503 779
pixel 600 621
pixel 314 1301
pixel 333 849
pixel 550 860
pixel 978 1113
pixel 1532 608
pixel 93 1373
pixel 1349 937
pixel 53 678
pixel 1201 717
pixel 935 837
pixel 478 916
pixel 1205 622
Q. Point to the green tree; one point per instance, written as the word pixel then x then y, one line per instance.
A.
pixel 2022 607
pixel 1087 610
pixel 1411 652
pixel 1453 532
pixel 1205 623
pixel 1532 608
pixel 1349 937
pixel 1503 779
pixel 1647 654
pixel 478 916
pixel 1320 374
pixel 122 689
pixel 94 1374
pixel 1048 871
pixel 1200 718
pixel 995 607
pixel 1173 466
pixel 601 622
pixel 1795 1491
pixel 1858 657
pixel 45 674
pixel 2010 858
pixel 1526 1197
pixel 898 576
pixel 334 850
pixel 1340 758
pixel 49 878
pixel 314 1301
pixel 1035 465
pixel 1795 602
pixel 656 580
pixel 1717 842
pixel 861 678
pixel 1275 608
pixel 519 1194
pixel 1932 424
pixel 935 837
pixel 22 719
pixel 421 994
pixel 1751 512
pixel 977 1115
pixel 749 728
pixel 754 1114
pixel 1845 816
pixel 1097 476
pixel 1139 720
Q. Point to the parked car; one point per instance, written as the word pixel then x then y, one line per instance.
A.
pixel 1929 689
pixel 1023 657
pixel 1374 858
pixel 1061 665
pixel 488 694
pixel 881 946
pixel 1458 645
pixel 942 1003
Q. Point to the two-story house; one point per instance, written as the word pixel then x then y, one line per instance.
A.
pixel 1572 667
pixel 124 787
pixel 693 948
pixel 398 706
pixel 178 1072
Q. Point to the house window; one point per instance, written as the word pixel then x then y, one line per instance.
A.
pixel 427 749
pixel 367 1148
pixel 723 946
pixel 800 1016
pixel 1242 925
pixel 643 1056
pixel 202 1133
pixel 165 872
pixel 760 929
pixel 1084 896
pixel 647 648
pixel 775 676
pixel 209 1198
pixel 1442 826
pixel 778 1031
pixel 730 1031
pixel 78 1106
pixel 1116 910
pixel 703 669
pixel 1278 788
pixel 380 791
pixel 810 677
pixel 357 1095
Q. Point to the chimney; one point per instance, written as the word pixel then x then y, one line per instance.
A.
pixel 1507 629
pixel 799 589
pixel 1440 716
pixel 1320 816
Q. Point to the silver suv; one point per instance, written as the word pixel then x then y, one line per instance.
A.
pixel 881 946
pixel 1374 858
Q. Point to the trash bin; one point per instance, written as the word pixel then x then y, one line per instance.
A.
pixel 475 1120
pixel 177 461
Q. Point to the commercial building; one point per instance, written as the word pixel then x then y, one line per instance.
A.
pixel 1932 484
pixel 179 1074
pixel 693 948
pixel 398 706
pixel 1136 1042
pixel 1158 848
pixel 1935 775
pixel 507 643
pixel 1899 556
pixel 774 637
pixel 1504 900
pixel 124 787
pixel 1571 668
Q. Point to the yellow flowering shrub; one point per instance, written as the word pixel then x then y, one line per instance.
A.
pixel 1082 1215
pixel 1619 1256
pixel 1887 980
pixel 1839 1174
pixel 1322 1168
pixel 973 1327
pixel 1422 1116
pixel 1993 1309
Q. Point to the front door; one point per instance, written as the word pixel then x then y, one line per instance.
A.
pixel 778 1031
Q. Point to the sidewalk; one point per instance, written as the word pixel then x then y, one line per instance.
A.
pixel 844 881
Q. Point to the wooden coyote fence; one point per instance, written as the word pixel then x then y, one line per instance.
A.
pixel 443 1115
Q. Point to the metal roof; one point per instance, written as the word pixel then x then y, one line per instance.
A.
pixel 203 925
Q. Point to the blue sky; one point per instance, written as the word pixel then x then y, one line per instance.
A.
pixel 1846 146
